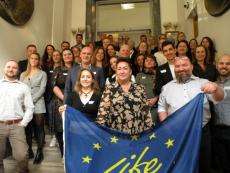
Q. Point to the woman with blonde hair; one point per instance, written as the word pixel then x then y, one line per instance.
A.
pixel 36 79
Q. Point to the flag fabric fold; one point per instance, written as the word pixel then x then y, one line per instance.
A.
pixel 172 147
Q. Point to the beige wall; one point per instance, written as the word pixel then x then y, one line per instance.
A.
pixel 215 27
pixel 112 18
pixel 38 31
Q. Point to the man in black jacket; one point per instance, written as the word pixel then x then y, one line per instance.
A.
pixel 30 49
pixel 165 73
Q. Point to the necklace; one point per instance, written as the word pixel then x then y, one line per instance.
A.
pixel 86 93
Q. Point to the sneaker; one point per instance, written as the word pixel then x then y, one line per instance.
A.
pixel 53 142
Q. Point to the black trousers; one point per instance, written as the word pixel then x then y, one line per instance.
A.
pixel 205 151
pixel 59 137
pixel 36 126
pixel 221 148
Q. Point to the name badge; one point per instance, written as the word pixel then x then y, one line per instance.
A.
pixel 91 102
pixel 163 71
pixel 143 77
pixel 94 72
pixel 65 74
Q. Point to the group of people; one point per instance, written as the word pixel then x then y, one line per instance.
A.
pixel 117 85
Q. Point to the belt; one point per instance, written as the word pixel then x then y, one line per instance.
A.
pixel 10 122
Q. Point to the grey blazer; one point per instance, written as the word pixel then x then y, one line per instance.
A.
pixel 37 83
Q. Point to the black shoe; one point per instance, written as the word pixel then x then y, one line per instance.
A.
pixel 39 157
pixel 30 153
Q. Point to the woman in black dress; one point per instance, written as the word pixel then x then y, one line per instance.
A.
pixel 58 84
pixel 201 68
pixel 86 96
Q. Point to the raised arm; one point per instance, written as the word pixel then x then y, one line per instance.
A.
pixel 212 88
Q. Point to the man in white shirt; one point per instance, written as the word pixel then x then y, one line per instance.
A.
pixel 16 111
pixel 180 91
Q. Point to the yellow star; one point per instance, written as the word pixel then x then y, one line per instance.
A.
pixel 134 137
pixel 169 143
pixel 97 146
pixel 114 139
pixel 86 159
pixel 152 136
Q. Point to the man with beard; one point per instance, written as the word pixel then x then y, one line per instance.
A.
pixel 180 91
pixel 16 111
pixel 221 130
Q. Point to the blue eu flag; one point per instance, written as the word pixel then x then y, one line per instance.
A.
pixel 172 147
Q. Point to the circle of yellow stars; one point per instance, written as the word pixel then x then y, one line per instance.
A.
pixel 169 143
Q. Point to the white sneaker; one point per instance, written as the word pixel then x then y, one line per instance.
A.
pixel 53 142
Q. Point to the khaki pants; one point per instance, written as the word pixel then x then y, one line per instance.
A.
pixel 17 138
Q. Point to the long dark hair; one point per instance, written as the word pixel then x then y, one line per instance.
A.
pixel 45 57
pixel 206 56
pixel 188 53
pixel 211 50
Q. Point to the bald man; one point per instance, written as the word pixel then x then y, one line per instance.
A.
pixel 16 111
pixel 85 55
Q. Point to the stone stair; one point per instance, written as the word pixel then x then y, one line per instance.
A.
pixel 52 162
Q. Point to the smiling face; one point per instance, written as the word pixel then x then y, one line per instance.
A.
pixel 124 51
pixel 140 60
pixel 111 51
pixel 205 43
pixel 86 54
pixel 113 63
pixel 123 72
pixel 149 63
pixel 223 66
pixel 143 47
pixel 182 49
pixel 34 60
pixel 169 52
pixel 11 70
pixel 183 69
pixel 100 55
pixel 86 79
pixel 50 50
pixel 200 54
pixel 67 56
pixel 56 57
pixel 193 44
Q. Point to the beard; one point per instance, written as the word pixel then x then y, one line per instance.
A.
pixel 224 72
pixel 183 78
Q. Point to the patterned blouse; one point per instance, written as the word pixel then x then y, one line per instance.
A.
pixel 125 111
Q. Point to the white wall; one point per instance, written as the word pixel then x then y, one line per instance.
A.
pixel 112 18
pixel 78 18
pixel 38 31
pixel 169 12
pixel 215 27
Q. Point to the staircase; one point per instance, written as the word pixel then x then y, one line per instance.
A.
pixel 52 162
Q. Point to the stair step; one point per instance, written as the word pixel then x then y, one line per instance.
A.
pixel 52 162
